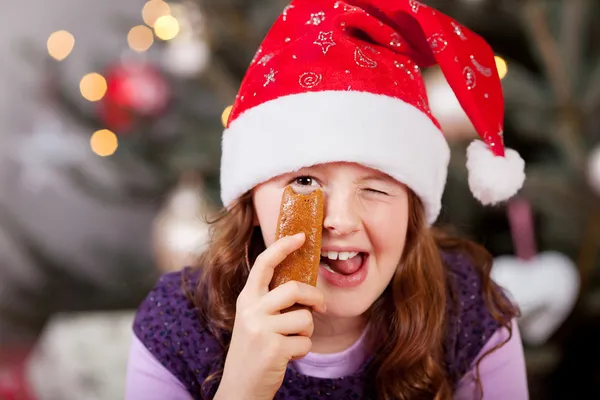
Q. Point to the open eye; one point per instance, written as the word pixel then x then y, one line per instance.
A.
pixel 305 181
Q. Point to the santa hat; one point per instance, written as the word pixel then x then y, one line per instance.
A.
pixel 341 81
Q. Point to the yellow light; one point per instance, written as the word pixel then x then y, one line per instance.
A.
pixel 104 143
pixel 166 27
pixel 140 38
pixel 92 86
pixel 153 10
pixel 225 115
pixel 501 66
pixel 60 44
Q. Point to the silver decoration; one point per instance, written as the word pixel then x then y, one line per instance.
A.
pixel 285 11
pixel 415 5
pixel 395 40
pixel 270 77
pixel 258 53
pixel 424 104
pixel 325 41
pixel 485 71
pixel 437 43
pixel 316 18
pixel 458 31
pixel 362 60
pixel 405 69
pixel 309 80
pixel 470 79
pixel 346 6
pixel 265 59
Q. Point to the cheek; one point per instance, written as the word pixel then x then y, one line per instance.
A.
pixel 266 206
pixel 388 234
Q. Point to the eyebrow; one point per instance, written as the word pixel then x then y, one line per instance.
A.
pixel 379 178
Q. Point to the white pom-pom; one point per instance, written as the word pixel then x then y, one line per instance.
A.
pixel 493 179
pixel 594 170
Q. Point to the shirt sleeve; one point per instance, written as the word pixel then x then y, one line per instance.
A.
pixel 147 379
pixel 502 373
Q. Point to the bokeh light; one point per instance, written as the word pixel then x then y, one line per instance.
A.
pixel 104 142
pixel 60 44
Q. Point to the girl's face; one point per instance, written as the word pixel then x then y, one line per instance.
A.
pixel 364 229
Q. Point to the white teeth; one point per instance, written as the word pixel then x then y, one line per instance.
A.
pixel 339 255
pixel 328 268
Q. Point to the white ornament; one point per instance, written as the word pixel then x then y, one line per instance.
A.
pixel 593 171
pixel 493 179
pixel 188 54
pixel 325 41
pixel 545 288
pixel 186 58
pixel 82 356
pixel 180 231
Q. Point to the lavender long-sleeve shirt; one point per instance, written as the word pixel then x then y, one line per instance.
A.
pixel 502 372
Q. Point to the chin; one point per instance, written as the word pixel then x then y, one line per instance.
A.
pixel 343 307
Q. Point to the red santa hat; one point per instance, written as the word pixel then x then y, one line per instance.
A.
pixel 341 81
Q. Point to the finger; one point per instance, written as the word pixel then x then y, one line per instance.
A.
pixel 299 322
pixel 290 293
pixel 297 346
pixel 262 271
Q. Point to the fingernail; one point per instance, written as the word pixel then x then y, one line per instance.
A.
pixel 299 235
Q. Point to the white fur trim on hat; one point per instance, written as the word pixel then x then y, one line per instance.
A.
pixel 300 130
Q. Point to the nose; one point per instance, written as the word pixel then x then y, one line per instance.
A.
pixel 341 217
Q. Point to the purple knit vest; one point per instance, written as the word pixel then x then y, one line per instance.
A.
pixel 168 325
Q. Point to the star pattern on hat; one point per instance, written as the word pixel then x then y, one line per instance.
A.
pixel 325 41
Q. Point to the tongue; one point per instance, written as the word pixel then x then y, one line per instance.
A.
pixel 346 267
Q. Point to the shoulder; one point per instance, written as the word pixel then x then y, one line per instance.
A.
pixel 470 323
pixel 168 324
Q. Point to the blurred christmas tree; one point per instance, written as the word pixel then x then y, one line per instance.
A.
pixel 164 106
pixel 156 111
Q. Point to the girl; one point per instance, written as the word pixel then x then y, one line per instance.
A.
pixel 335 99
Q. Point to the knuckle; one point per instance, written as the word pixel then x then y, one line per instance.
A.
pixel 295 288
pixel 253 328
pixel 306 318
pixel 240 302
pixel 305 345
pixel 260 259
pixel 274 349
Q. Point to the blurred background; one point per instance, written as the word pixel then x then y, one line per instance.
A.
pixel 110 125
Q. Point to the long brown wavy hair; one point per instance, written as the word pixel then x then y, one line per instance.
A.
pixel 410 316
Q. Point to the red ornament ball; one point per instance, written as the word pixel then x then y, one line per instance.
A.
pixel 135 91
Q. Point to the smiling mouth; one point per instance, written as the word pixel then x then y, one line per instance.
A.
pixel 343 262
